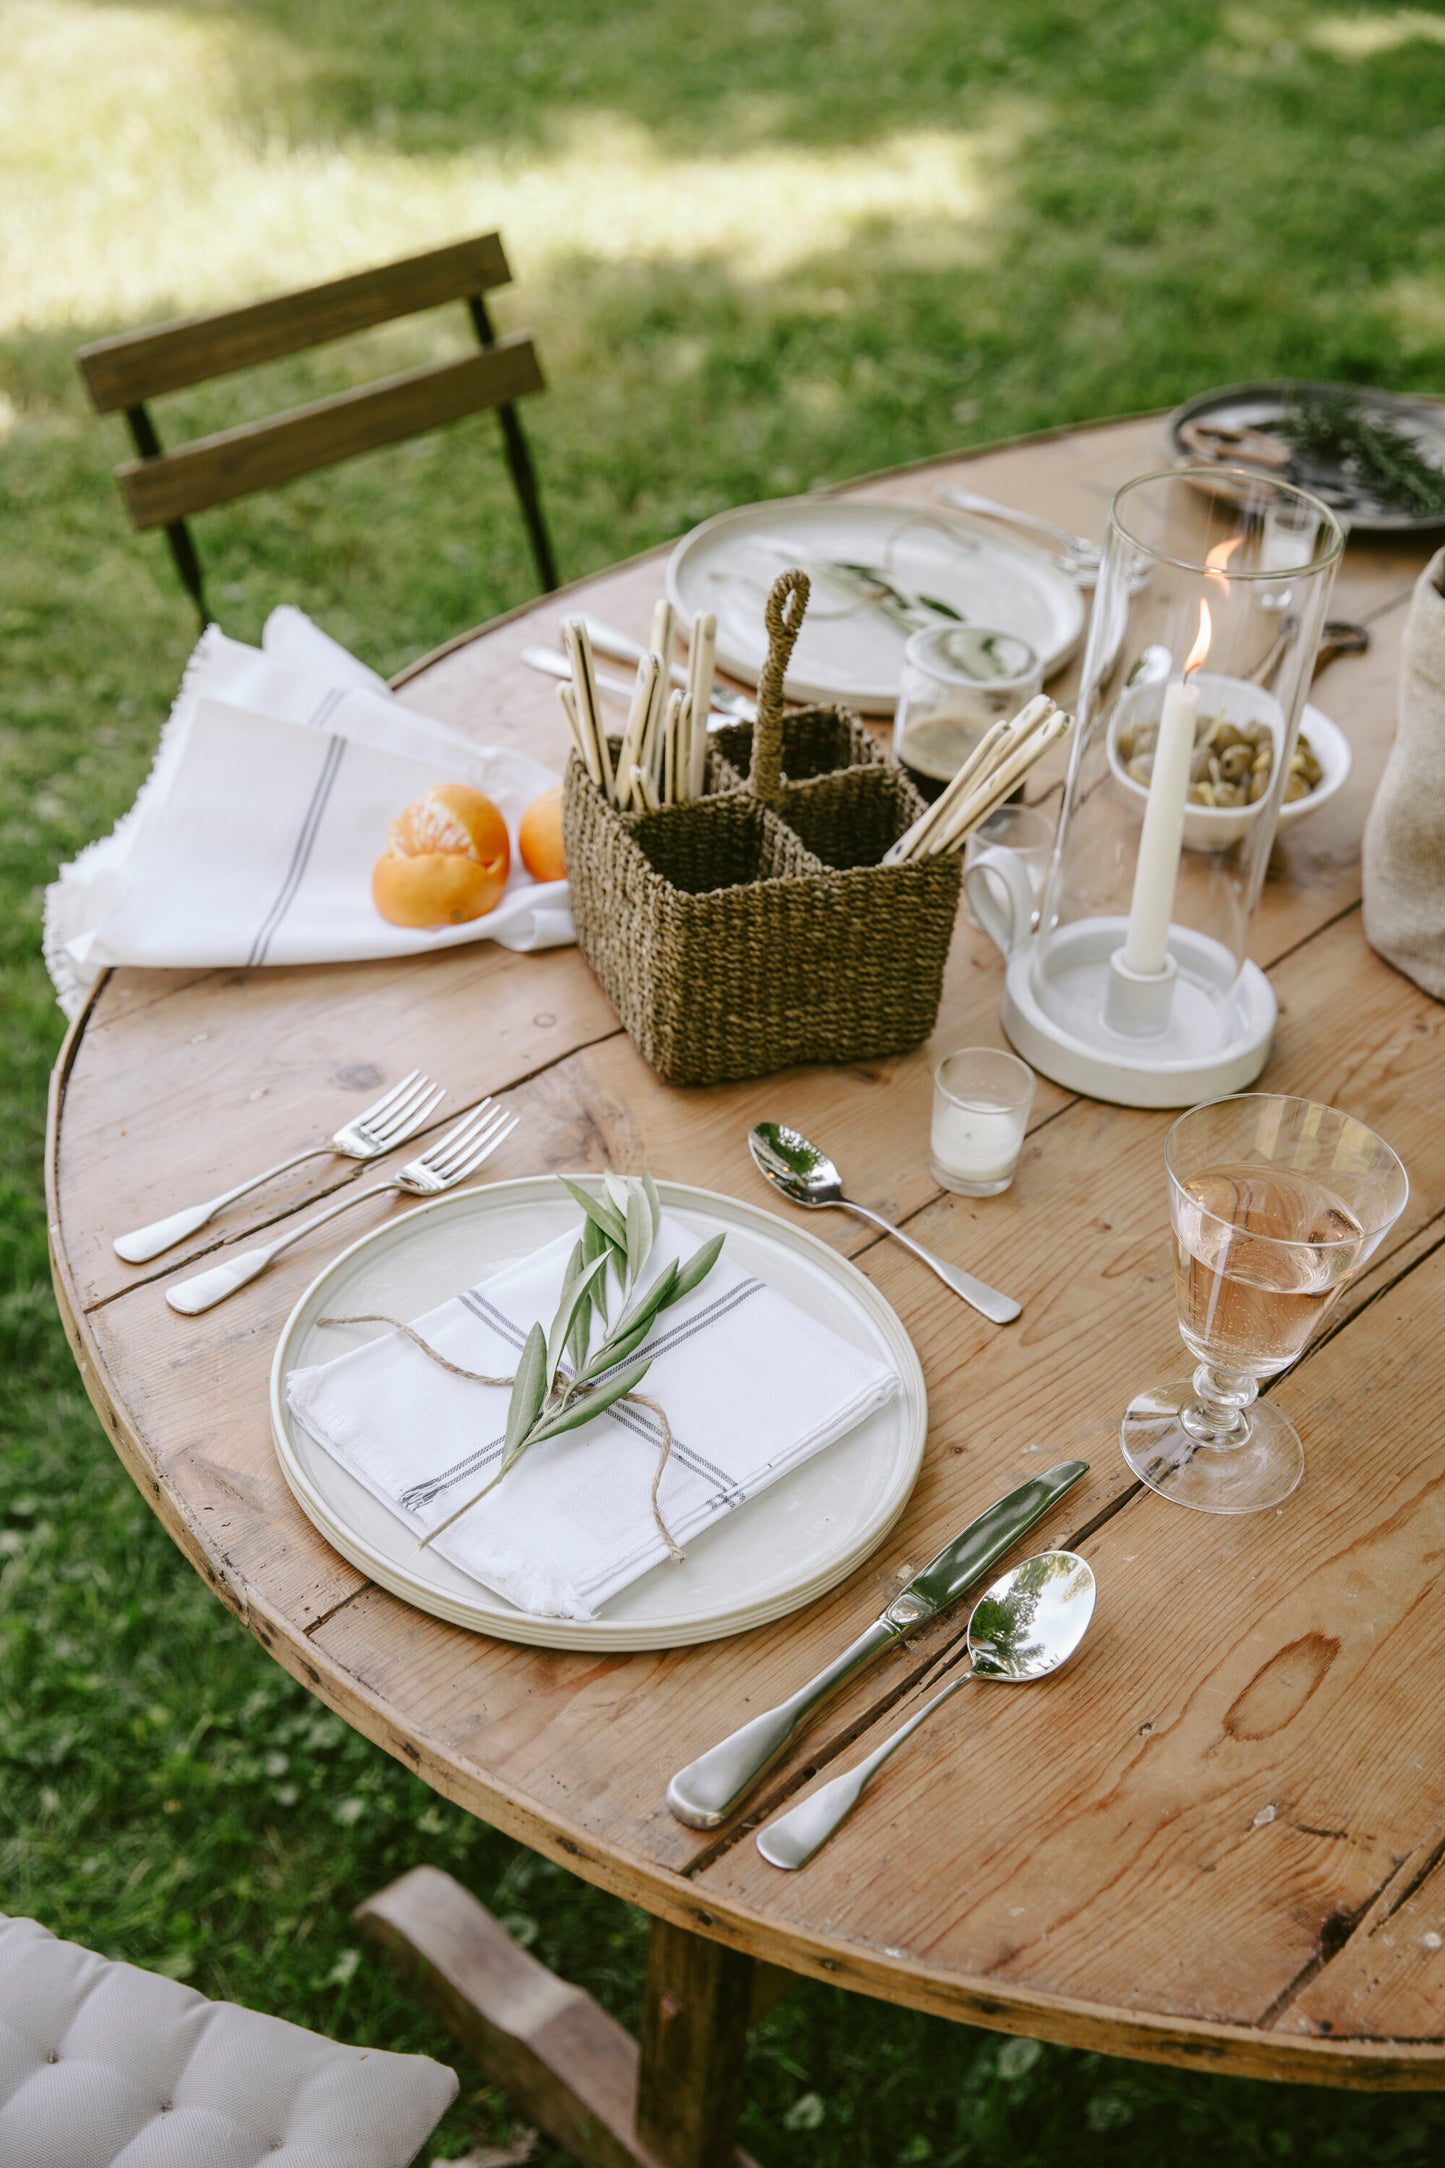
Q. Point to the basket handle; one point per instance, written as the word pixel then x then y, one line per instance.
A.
pixel 787 600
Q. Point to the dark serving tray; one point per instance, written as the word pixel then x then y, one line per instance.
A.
pixel 1262 406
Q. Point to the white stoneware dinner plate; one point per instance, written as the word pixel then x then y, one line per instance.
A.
pixel 782 1549
pixel 851 650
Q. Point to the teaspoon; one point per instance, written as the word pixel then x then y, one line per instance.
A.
pixel 808 1177
pixel 1022 1628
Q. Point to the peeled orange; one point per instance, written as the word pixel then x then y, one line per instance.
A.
pixel 446 859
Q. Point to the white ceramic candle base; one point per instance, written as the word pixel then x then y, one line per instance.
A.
pixel 1216 1038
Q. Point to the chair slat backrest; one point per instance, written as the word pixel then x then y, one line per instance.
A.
pixel 258 455
pixel 140 365
pixel 162 489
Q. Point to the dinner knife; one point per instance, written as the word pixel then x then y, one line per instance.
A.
pixel 709 1789
pixel 554 664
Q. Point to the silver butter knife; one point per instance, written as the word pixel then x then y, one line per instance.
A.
pixel 709 1789
pixel 553 664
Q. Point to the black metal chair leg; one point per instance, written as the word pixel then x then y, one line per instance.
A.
pixel 519 462
pixel 178 534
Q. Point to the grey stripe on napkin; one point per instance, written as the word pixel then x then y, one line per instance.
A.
pixel 300 857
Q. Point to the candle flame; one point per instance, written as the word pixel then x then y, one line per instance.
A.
pixel 1215 562
pixel 1194 659
pixel 1217 558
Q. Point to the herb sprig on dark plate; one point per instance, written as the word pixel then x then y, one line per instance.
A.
pixel 1372 453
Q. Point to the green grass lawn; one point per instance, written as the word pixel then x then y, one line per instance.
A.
pixel 763 247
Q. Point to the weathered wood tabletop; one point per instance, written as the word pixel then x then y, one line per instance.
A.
pixel 1219 1839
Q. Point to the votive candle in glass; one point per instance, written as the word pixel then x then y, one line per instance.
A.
pixel 981 1101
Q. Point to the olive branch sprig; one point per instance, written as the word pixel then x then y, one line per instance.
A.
pixel 562 1379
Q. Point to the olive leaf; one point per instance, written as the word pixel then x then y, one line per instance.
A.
pixel 603 1215
pixel 576 1296
pixel 618 1191
pixel 529 1389
pixel 697 1268
pixel 641 1312
pixel 579 1339
pixel 639 1235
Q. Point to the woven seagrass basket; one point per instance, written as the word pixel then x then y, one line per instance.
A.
pixel 754 927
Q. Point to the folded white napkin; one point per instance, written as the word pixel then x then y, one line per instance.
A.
pixel 252 841
pixel 752 1386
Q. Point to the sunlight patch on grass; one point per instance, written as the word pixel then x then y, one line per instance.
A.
pixel 1361 37
pixel 1414 304
pixel 136 185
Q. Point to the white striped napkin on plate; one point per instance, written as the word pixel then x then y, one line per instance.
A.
pixel 252 841
pixel 751 1384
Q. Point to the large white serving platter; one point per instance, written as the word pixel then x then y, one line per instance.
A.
pixel 851 651
pixel 781 1549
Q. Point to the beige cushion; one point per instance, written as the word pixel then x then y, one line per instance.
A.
pixel 105 2066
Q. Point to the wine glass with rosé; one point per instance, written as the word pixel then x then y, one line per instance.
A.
pixel 1277 1204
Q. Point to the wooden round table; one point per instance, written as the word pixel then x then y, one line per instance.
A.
pixel 1220 1847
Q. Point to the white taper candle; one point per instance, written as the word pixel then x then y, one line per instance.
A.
pixel 1146 944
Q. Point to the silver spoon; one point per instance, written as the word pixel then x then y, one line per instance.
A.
pixel 808 1177
pixel 1022 1628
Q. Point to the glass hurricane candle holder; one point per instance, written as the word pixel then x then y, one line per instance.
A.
pixel 1276 1204
pixel 1202 642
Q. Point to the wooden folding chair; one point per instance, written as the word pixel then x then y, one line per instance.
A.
pixel 162 489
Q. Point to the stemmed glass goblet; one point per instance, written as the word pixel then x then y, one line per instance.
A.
pixel 1277 1204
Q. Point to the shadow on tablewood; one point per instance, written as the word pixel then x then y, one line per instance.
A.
pixel 671 2102
pixel 163 488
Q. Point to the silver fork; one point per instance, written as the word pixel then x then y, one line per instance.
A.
pixel 387 1122
pixel 449 1161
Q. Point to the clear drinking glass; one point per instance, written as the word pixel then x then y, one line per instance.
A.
pixel 957 680
pixel 1025 831
pixel 1277 1204
pixel 981 1101
pixel 1287 545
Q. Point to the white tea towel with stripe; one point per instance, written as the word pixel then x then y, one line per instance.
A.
pixel 252 841
pixel 751 1384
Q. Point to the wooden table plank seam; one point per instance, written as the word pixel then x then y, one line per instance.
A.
pixel 348 1173
pixel 1409 1258
pixel 1316 933
pixel 1335 1935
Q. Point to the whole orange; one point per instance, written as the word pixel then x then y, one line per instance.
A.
pixel 539 839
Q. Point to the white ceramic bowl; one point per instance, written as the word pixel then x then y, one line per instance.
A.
pixel 1216 827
